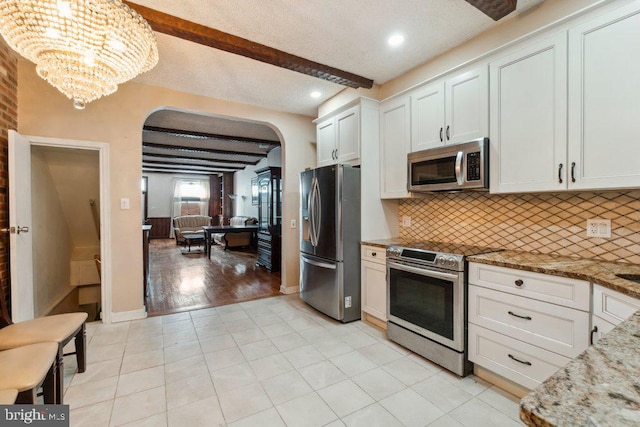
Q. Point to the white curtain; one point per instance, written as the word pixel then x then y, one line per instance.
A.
pixel 193 190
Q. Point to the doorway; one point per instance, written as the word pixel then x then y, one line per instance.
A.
pixel 44 171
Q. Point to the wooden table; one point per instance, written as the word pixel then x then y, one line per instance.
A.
pixel 192 237
pixel 210 229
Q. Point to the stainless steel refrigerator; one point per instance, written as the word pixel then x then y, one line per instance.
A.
pixel 330 240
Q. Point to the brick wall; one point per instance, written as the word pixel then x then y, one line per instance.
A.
pixel 8 120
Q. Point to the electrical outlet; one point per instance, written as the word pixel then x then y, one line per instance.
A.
pixel 406 221
pixel 599 228
pixel 293 223
pixel 347 302
pixel 124 203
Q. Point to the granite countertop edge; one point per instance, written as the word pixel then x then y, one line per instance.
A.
pixel 599 385
pixel 599 272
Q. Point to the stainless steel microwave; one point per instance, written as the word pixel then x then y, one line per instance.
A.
pixel 450 168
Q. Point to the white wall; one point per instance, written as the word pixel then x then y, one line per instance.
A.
pixel 242 187
pixel 52 245
pixel 117 120
pixel 160 192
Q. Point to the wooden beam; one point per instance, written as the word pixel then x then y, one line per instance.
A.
pixel 185 149
pixel 182 157
pixel 178 167
pixel 182 164
pixel 197 33
pixel 178 172
pixel 203 135
pixel 494 9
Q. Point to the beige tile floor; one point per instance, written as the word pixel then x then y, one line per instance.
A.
pixel 270 362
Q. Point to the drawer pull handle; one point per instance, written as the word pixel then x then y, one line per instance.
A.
pixel 373 254
pixel 593 331
pixel 524 362
pixel 519 282
pixel 518 316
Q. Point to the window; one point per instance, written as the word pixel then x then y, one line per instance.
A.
pixel 191 197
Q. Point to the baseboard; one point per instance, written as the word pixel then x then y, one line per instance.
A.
pixel 500 381
pixel 125 316
pixel 372 320
pixel 289 290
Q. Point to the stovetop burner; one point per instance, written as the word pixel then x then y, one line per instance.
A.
pixel 450 248
pixel 445 255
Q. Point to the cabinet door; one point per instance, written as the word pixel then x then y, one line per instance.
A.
pixel 326 145
pixel 467 106
pixel 604 94
pixel 348 139
pixel 395 131
pixel 599 328
pixel 528 103
pixel 427 117
pixel 374 289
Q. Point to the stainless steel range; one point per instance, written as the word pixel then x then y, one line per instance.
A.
pixel 427 288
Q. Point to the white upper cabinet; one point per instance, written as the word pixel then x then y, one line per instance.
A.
pixel 326 142
pixel 338 138
pixel 467 106
pixel 395 132
pixel 452 110
pixel 528 103
pixel 604 101
pixel 427 117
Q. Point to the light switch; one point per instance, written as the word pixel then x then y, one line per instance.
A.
pixel 293 223
pixel 124 203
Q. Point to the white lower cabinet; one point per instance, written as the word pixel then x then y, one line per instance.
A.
pixel 374 282
pixel 523 338
pixel 515 360
pixel 610 308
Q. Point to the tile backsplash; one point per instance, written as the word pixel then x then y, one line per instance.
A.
pixel 549 223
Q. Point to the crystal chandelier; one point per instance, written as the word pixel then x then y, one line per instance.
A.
pixel 84 48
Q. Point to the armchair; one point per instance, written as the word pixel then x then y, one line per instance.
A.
pixel 235 240
pixel 189 224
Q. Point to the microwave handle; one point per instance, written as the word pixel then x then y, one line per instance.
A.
pixel 459 176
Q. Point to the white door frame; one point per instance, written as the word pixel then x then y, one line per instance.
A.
pixel 105 202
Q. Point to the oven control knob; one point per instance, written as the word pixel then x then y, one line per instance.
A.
pixel 452 262
pixel 441 260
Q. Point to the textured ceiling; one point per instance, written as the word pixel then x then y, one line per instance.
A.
pixel 348 34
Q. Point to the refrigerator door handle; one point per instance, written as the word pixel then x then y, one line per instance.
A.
pixel 318 218
pixel 319 264
pixel 311 211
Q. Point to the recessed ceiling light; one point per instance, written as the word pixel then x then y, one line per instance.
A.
pixel 315 94
pixel 395 40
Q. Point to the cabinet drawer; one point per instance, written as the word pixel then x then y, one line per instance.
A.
pixel 520 362
pixel 544 287
pixel 613 306
pixel 551 327
pixel 373 254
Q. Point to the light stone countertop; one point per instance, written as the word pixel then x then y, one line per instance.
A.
pixel 601 387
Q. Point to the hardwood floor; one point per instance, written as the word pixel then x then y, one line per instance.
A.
pixel 180 282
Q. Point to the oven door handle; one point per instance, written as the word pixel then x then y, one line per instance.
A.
pixel 422 271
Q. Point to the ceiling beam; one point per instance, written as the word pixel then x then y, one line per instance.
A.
pixel 177 172
pixel 181 164
pixel 204 135
pixel 494 9
pixel 191 169
pixel 185 149
pixel 197 33
pixel 184 157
